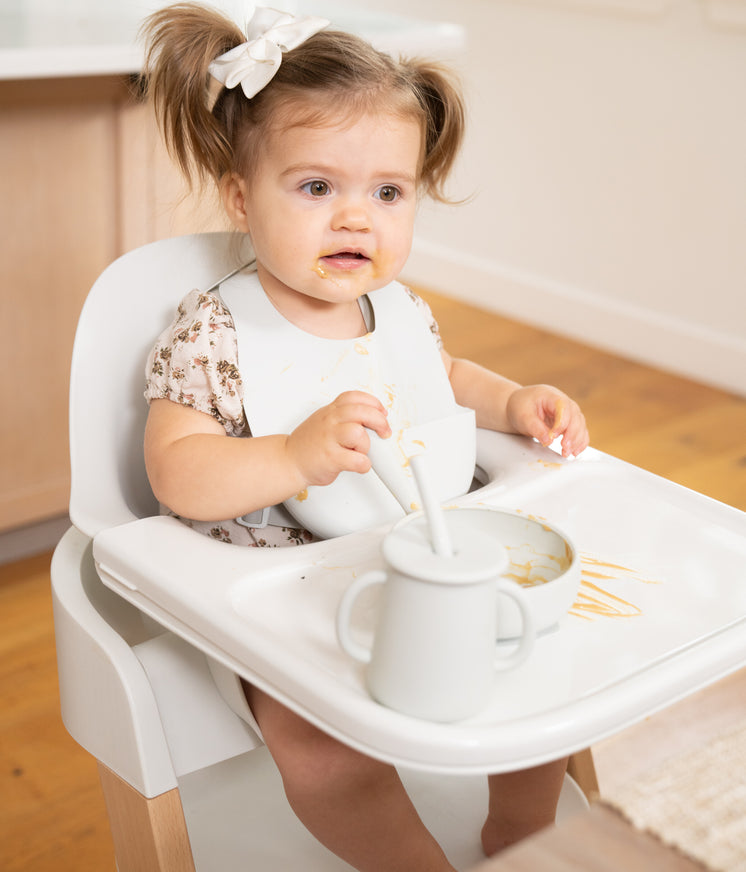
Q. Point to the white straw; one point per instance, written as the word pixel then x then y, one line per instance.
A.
pixel 439 536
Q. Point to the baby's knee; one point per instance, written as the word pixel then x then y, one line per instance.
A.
pixel 315 763
pixel 308 759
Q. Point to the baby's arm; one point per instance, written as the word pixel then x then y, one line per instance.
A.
pixel 540 411
pixel 201 473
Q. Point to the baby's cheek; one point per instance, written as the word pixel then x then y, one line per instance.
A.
pixel 386 265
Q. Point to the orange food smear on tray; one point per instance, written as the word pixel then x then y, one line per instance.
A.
pixel 594 600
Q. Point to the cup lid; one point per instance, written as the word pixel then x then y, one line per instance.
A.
pixel 477 556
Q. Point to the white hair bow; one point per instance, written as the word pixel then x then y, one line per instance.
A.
pixel 253 63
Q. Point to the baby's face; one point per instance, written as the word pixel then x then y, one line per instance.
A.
pixel 331 211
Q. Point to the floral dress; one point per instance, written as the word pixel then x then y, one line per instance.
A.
pixel 195 362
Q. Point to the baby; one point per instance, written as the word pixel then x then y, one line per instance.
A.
pixel 321 148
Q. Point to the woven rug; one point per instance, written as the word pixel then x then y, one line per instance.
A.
pixel 695 803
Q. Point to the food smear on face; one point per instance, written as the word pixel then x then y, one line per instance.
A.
pixel 322 273
pixel 303 495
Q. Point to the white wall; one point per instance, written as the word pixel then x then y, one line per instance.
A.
pixel 607 157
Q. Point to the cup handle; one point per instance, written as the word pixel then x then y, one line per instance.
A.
pixel 353 648
pixel 526 644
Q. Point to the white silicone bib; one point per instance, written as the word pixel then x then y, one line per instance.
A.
pixel 287 374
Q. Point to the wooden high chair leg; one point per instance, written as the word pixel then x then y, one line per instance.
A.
pixel 583 771
pixel 149 835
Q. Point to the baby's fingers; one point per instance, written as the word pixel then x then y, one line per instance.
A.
pixel 557 420
pixel 551 420
pixel 574 434
pixel 576 439
pixel 364 409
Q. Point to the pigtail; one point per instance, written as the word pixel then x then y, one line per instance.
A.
pixel 443 107
pixel 210 134
pixel 181 41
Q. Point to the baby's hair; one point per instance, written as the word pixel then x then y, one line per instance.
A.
pixel 330 75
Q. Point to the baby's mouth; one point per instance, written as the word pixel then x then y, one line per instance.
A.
pixel 344 260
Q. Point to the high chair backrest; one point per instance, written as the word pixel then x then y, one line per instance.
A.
pixel 130 303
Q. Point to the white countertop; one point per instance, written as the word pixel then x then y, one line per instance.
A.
pixel 43 39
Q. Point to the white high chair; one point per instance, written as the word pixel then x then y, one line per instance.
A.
pixel 141 602
pixel 181 789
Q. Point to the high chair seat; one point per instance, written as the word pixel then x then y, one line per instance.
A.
pixel 661 613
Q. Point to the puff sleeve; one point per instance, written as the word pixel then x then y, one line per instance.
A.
pixel 195 362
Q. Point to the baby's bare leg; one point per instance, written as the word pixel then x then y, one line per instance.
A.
pixel 521 803
pixel 356 806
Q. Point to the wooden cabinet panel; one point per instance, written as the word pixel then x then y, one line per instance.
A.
pixel 84 178
pixel 154 201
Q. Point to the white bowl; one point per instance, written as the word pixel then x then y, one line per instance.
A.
pixel 543 560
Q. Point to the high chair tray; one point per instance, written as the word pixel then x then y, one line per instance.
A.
pixel 661 612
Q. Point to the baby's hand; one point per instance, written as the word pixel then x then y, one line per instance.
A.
pixel 334 438
pixel 546 413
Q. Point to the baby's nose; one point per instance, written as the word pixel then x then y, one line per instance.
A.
pixel 351 214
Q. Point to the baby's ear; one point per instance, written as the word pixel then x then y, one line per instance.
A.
pixel 233 195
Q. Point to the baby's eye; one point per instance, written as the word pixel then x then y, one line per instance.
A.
pixel 388 193
pixel 316 188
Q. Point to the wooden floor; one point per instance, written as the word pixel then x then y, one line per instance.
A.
pixel 51 810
